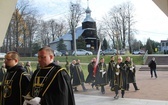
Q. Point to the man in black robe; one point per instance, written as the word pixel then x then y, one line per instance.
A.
pixel 101 75
pixel 51 84
pixel 130 73
pixel 119 78
pixel 110 72
pixel 91 78
pixel 78 76
pixel 15 81
pixel 28 68
pixel 2 72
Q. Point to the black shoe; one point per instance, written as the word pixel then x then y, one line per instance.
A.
pixel 103 92
pixel 92 85
pixel 84 90
pixel 137 89
pixel 122 96
pixel 116 97
pixel 76 90
pixel 97 88
pixel 112 89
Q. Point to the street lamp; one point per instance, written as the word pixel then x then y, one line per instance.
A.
pixel 116 34
pixel 73 6
pixel 129 36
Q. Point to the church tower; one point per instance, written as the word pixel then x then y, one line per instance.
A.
pixel 90 30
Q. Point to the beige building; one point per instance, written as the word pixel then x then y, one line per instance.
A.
pixel 163 5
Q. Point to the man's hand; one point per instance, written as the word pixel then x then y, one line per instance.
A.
pixel 34 101
pixel 131 68
pixel 118 66
pixel 101 70
pixel 25 102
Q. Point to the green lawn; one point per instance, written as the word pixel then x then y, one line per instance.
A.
pixel 138 60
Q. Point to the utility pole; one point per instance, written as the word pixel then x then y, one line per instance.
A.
pixel 129 36
pixel 116 34
pixel 73 7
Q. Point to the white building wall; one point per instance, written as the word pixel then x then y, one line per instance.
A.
pixel 53 46
pixel 67 43
pixel 164 47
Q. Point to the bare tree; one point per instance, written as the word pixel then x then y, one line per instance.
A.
pixel 57 28
pixel 130 24
pixel 43 33
pixel 21 28
pixel 75 15
pixel 120 20
pixel 30 30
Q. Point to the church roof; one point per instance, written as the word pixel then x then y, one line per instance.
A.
pixel 68 36
pixel 88 16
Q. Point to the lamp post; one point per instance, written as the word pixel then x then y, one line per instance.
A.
pixel 117 37
pixel 129 36
pixel 73 6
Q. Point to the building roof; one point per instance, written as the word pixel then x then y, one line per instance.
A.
pixel 164 40
pixel 88 15
pixel 68 36
pixel 79 30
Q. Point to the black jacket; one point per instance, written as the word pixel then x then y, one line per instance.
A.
pixel 14 86
pixel 152 64
pixel 54 86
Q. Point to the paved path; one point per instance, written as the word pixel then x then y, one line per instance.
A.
pixel 152 90
pixel 104 100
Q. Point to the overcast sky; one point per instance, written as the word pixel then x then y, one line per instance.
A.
pixel 151 21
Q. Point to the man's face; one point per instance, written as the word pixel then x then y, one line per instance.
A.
pixel 45 58
pixel 119 60
pixel 9 61
pixel 74 62
pixel 128 59
pixel 94 59
pixel 102 60
pixel 112 58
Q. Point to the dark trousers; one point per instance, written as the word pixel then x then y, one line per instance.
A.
pixel 102 89
pixel 134 84
pixel 83 87
pixel 116 89
pixel 153 70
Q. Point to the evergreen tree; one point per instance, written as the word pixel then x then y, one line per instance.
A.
pixel 154 45
pixel 149 46
pixel 81 44
pixel 61 45
pixel 35 48
pixel 105 44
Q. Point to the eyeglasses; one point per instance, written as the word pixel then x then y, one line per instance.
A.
pixel 6 59
pixel 119 59
pixel 41 57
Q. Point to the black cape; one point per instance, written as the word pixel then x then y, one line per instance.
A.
pixel 130 73
pixel 100 78
pixel 90 78
pixel 14 86
pixel 120 80
pixel 54 88
pixel 110 72
pixel 78 76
